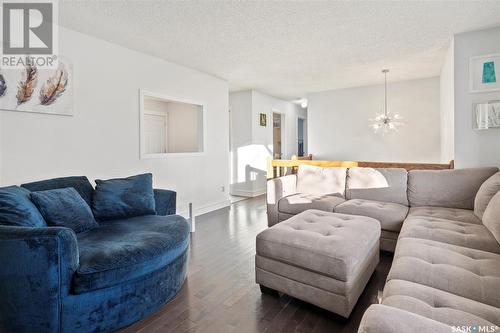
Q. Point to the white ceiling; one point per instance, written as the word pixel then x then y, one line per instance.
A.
pixel 288 49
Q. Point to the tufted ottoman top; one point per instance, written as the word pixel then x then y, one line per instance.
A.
pixel 328 243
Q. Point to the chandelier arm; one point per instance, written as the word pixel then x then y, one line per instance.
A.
pixel 385 91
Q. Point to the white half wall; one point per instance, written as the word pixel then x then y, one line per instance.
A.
pixel 252 144
pixel 447 106
pixel 474 148
pixel 339 123
pixel 102 139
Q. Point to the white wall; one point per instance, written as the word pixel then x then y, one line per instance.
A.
pixel 241 156
pixel 339 126
pixel 252 144
pixel 447 107
pixel 1 149
pixel 185 128
pixel 262 103
pixel 184 125
pixel 473 148
pixel 102 139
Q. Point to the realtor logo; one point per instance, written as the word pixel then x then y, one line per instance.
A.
pixel 29 31
pixel 27 28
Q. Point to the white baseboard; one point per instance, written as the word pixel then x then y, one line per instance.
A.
pixel 200 210
pixel 247 193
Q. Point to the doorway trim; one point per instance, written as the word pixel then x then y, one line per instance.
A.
pixel 283 131
pixel 305 135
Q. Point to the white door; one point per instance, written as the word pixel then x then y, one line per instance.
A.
pixel 277 136
pixel 301 137
pixel 155 133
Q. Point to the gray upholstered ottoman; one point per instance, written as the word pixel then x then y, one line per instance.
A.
pixel 323 258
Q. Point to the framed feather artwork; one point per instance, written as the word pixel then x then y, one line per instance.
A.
pixel 32 89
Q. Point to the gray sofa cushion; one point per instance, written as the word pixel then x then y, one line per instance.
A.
pixel 458 270
pixel 446 188
pixel 297 203
pixel 383 184
pixel 454 214
pixel 331 244
pixel 489 188
pixel 469 235
pixel 491 217
pixel 321 181
pixel 439 305
pixel 380 318
pixel 390 215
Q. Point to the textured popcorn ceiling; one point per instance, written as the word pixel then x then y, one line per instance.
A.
pixel 288 49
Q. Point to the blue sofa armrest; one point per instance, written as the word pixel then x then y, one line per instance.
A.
pixel 36 268
pixel 165 201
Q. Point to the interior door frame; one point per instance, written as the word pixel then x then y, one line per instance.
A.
pixel 283 131
pixel 163 115
pixel 304 119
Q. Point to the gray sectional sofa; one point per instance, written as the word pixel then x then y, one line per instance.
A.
pixel 444 227
pixel 388 195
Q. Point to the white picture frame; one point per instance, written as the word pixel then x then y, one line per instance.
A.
pixel 476 67
pixel 486 115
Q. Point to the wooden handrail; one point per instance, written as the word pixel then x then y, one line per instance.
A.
pixel 279 168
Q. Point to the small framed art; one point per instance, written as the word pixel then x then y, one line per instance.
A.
pixel 263 119
pixel 484 73
pixel 486 115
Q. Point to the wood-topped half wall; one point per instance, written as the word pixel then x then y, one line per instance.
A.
pixel 278 168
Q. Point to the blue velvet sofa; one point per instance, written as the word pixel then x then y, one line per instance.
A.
pixel 54 280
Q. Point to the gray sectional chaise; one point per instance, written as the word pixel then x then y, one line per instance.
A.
pixel 444 227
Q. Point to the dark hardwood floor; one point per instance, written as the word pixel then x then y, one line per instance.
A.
pixel 220 294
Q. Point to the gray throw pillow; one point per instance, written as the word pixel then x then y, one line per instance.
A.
pixel 321 180
pixel 487 190
pixel 491 216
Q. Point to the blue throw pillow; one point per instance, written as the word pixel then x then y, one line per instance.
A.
pixel 16 208
pixel 80 183
pixel 124 197
pixel 64 208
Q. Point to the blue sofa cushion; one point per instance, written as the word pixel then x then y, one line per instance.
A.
pixel 64 207
pixel 121 250
pixel 124 197
pixel 80 183
pixel 16 208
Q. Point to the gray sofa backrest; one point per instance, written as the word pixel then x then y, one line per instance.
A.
pixel 321 181
pixel 446 188
pixel 382 184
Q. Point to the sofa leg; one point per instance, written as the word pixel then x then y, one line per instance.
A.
pixel 269 291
